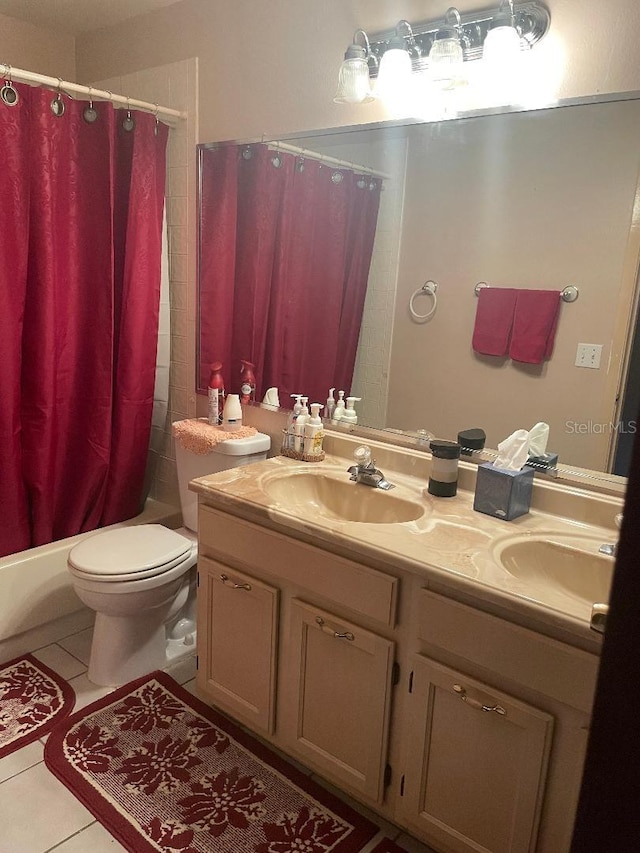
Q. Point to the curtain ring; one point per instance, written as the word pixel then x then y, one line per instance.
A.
pixel 129 122
pixel 8 93
pixel 90 114
pixel 57 104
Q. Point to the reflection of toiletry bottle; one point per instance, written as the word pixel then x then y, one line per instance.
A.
pixel 216 393
pixel 313 432
pixel 443 478
pixel 291 421
pixel 247 382
pixel 331 405
pixel 349 415
pixel 232 413
pixel 339 409
pixel 298 427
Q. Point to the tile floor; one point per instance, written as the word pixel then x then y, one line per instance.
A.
pixel 38 814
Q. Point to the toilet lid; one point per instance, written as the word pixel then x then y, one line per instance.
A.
pixel 126 553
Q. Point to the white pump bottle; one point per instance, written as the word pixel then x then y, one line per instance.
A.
pixel 339 410
pixel 313 432
pixel 350 416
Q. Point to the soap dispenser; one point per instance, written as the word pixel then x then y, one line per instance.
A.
pixel 349 416
pixel 331 405
pixel 298 427
pixel 291 422
pixel 313 433
pixel 339 410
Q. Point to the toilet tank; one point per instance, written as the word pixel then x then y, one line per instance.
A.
pixel 231 453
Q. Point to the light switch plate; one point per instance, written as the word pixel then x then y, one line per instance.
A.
pixel 588 355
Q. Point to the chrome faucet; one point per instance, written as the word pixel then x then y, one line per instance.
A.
pixel 365 471
pixel 611 549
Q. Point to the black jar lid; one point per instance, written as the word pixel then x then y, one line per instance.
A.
pixel 445 449
pixel 472 439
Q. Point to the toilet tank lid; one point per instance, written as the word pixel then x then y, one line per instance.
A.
pixel 128 549
pixel 258 443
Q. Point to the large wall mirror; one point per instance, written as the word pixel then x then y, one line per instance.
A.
pixel 537 200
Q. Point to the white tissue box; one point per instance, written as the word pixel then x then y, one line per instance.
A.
pixel 503 494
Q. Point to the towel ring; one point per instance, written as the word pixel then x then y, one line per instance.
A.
pixel 429 288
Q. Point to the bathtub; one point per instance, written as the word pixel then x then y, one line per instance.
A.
pixel 38 604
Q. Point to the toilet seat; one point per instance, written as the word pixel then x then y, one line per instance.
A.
pixel 129 554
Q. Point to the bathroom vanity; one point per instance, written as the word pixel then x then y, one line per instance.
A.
pixel 406 648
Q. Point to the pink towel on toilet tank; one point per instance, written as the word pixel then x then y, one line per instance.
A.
pixel 534 325
pixel 494 320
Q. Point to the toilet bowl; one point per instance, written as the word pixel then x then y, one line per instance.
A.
pixel 138 580
pixel 141 580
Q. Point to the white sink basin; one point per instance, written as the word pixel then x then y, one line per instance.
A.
pixel 559 567
pixel 318 494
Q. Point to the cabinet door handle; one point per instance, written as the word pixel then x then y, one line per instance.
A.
pixel 339 635
pixel 474 703
pixel 234 585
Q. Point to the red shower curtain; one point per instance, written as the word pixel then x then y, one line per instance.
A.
pixel 285 257
pixel 80 243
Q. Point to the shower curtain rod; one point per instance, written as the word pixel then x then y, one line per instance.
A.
pixel 314 155
pixel 21 76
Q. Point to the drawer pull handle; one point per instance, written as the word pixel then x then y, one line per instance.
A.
pixel 225 579
pixel 474 703
pixel 339 635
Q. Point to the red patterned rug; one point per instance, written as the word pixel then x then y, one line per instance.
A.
pixel 164 772
pixel 33 699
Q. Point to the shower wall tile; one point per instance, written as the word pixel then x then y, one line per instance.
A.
pixel 178 322
pixel 179 350
pixel 178 296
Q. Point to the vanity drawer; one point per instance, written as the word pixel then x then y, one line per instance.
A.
pixel 361 589
pixel 555 669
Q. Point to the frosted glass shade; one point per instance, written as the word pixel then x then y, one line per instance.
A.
pixel 354 85
pixel 395 73
pixel 446 64
pixel 501 49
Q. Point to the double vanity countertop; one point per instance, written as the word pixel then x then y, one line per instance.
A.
pixel 542 570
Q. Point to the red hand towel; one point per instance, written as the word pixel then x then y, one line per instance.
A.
pixel 494 319
pixel 534 325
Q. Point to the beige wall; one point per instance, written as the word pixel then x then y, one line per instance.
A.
pixel 35 49
pixel 531 200
pixel 271 67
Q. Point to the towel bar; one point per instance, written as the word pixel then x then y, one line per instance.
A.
pixel 569 294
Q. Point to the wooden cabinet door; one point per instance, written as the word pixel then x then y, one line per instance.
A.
pixel 337 714
pixel 237 643
pixel 476 762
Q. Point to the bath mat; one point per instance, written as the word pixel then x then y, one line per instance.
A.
pixel 162 771
pixel 33 699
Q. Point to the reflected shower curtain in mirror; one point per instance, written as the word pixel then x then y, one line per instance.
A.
pixel 80 248
pixel 285 256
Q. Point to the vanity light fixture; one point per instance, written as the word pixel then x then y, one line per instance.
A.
pixel 354 83
pixel 418 47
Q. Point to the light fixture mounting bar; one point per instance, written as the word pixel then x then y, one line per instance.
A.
pixel 532 21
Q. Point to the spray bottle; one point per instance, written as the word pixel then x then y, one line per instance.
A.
pixel 216 394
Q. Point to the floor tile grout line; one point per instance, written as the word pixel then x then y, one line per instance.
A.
pixel 69 837
pixel 24 769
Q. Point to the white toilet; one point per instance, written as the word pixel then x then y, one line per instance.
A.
pixel 141 580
